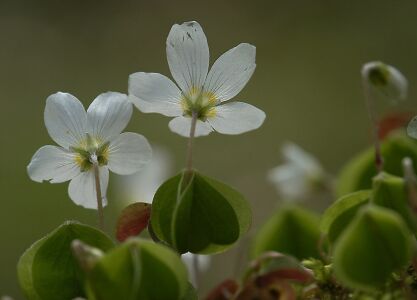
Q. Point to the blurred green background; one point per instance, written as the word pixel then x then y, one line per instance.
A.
pixel 309 54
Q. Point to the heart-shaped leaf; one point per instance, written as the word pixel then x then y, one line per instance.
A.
pixel 139 269
pixel 359 171
pixel 336 218
pixel 375 244
pixel 133 220
pixel 291 230
pixel 206 216
pixel 48 268
pixel 391 192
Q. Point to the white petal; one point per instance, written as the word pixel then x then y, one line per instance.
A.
pixel 65 119
pixel 53 164
pixel 203 262
pixel 303 160
pixel 108 115
pixel 155 93
pixel 128 153
pixel 182 125
pixel 82 189
pixel 188 55
pixel 231 71
pixel 236 118
pixel 290 181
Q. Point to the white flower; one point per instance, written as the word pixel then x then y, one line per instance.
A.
pixel 386 80
pixel 85 137
pixel 142 186
pixel 297 177
pixel 200 92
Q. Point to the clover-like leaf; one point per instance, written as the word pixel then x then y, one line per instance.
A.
pixel 391 192
pixel 375 244
pixel 131 271
pixel 204 216
pixel 336 218
pixel 291 230
pixel 48 268
pixel 357 174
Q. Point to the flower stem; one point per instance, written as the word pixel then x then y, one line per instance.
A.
pixel 189 167
pixel 369 101
pixel 99 196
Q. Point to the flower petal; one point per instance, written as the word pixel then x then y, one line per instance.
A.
pixel 188 55
pixel 182 125
pixel 128 153
pixel 231 71
pixel 54 164
pixel 236 118
pixel 155 93
pixel 65 119
pixel 108 115
pixel 82 189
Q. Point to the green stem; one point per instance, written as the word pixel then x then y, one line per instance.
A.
pixel 374 121
pixel 189 166
pixel 99 196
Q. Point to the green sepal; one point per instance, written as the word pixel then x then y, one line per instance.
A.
pixel 48 268
pixel 201 216
pixel 374 245
pixel 291 230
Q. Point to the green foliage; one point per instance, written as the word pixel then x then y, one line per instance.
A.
pixel 139 269
pixel 375 244
pixel 359 171
pixel 206 216
pixel 48 268
pixel 336 218
pixel 291 230
pixel 391 192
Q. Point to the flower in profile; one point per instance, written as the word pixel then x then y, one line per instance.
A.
pixel 88 141
pixel 385 80
pixel 199 93
pixel 299 176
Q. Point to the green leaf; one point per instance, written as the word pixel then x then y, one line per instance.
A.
pixel 206 216
pixel 374 245
pixel 359 171
pixel 391 192
pixel 191 293
pixel 48 268
pixel 139 269
pixel 336 218
pixel 291 230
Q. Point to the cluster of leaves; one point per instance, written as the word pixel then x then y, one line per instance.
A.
pixel 362 247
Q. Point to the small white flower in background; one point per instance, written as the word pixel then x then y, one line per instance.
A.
pixel 86 138
pixel 142 186
pixel 299 175
pixel 386 80
pixel 200 92
pixel 203 262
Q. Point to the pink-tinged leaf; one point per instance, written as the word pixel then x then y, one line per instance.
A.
pixel 224 291
pixel 133 220
pixel 297 275
pixel 393 121
pixel 277 291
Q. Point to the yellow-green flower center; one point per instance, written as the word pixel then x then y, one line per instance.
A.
pixel 88 148
pixel 201 102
